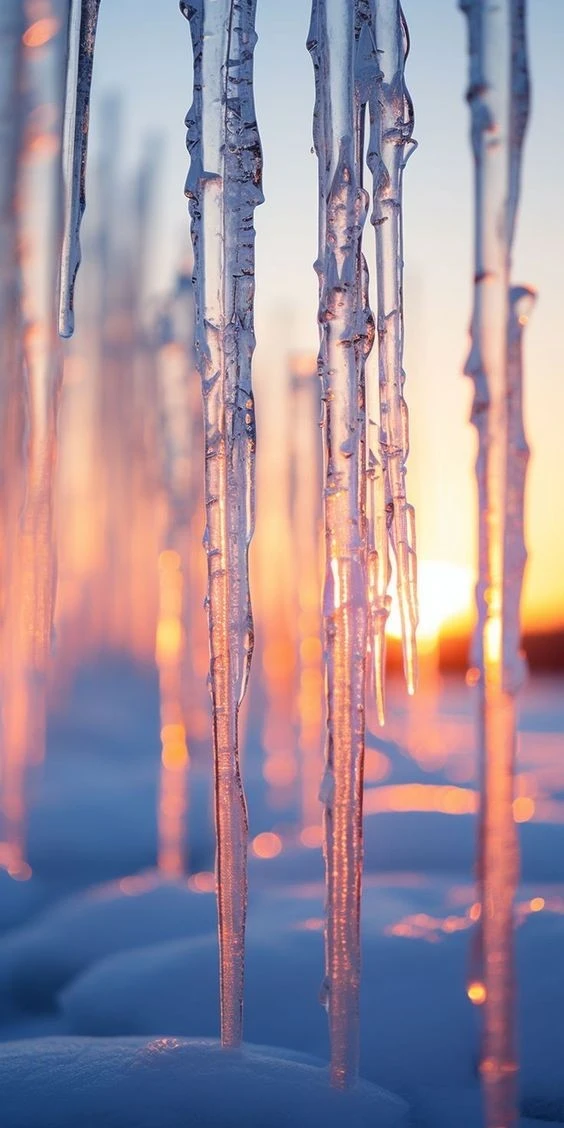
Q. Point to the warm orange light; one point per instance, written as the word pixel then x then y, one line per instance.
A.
pixel 523 808
pixel 445 594
pixel 473 676
pixel 169 560
pixel 312 924
pixel 202 882
pixel 278 659
pixel 475 911
pixel 175 755
pixel 279 771
pixel 169 639
pixel 267 845
pixel 377 766
pixel 421 797
pixel 311 837
pixel 536 904
pixel 311 651
pixel 40 32
pixel 477 993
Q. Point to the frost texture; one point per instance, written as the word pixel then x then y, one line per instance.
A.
pixel 390 145
pixel 498 96
pixel 343 206
pixel 224 187
pixel 83 19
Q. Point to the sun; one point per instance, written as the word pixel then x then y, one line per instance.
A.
pixel 445 595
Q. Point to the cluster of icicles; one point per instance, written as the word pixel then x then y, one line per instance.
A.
pixel 362 107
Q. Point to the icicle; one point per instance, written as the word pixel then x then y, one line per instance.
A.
pixel 306 527
pixel 498 97
pixel 521 302
pixel 12 761
pixel 83 19
pixel 373 506
pixel 30 596
pixel 224 186
pixel 174 754
pixel 342 210
pixel 390 145
pixel 175 372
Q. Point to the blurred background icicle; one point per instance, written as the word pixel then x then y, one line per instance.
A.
pixel 83 18
pixel 343 205
pixel 177 389
pixel 389 147
pixel 224 187
pixel 12 407
pixel 498 96
pixel 28 611
pixel 306 497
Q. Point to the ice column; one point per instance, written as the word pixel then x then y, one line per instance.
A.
pixel 224 186
pixel 498 99
pixel 390 145
pixel 83 20
pixel 343 206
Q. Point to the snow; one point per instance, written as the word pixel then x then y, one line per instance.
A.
pixel 35 961
pixel 141 960
pixel 59 1083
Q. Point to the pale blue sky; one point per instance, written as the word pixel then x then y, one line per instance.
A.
pixel 144 50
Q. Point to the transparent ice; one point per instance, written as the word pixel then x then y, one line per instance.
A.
pixel 224 187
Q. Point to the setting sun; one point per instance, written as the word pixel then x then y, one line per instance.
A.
pixel 445 597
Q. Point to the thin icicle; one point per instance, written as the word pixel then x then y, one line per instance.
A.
pixel 390 145
pixel 224 187
pixel 373 495
pixel 343 207
pixel 498 97
pixel 83 19
pixel 521 302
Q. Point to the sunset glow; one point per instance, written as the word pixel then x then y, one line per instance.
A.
pixel 445 598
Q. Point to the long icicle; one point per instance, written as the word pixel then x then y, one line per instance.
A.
pixel 224 187
pixel 342 210
pixel 30 598
pixel 498 96
pixel 12 763
pixel 372 495
pixel 83 19
pixel 390 145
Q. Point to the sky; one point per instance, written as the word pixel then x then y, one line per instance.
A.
pixel 144 52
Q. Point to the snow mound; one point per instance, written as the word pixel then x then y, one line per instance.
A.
pixel 444 1108
pixel 19 900
pixel 36 961
pixel 59 1083
pixel 416 1025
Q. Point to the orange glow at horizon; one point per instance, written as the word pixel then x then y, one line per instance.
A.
pixel 446 593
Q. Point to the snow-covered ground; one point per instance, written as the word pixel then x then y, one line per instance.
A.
pixel 108 972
